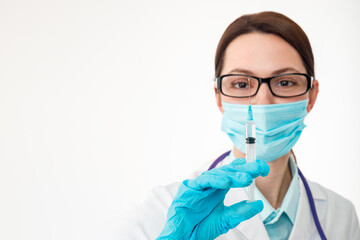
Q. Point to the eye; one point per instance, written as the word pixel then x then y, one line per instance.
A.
pixel 285 83
pixel 241 84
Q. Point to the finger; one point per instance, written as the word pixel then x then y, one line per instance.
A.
pixel 237 174
pixel 219 179
pixel 255 169
pixel 265 168
pixel 205 181
pixel 222 218
pixel 238 161
pixel 239 212
pixel 240 173
pixel 236 179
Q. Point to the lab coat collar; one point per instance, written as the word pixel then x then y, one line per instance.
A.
pixel 304 223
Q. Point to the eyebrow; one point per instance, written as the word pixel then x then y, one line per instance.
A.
pixel 276 72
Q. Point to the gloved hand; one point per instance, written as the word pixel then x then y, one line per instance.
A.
pixel 198 211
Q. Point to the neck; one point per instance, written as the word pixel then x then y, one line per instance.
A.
pixel 275 185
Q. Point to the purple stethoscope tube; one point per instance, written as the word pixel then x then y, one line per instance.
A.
pixel 307 188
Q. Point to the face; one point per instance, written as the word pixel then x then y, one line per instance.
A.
pixel 263 55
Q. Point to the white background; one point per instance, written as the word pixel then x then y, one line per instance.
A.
pixel 102 100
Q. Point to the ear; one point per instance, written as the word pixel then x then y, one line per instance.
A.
pixel 218 100
pixel 313 95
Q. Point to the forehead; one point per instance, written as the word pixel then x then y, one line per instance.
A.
pixel 261 54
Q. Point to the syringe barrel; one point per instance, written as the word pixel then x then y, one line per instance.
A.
pixel 250 152
pixel 250 130
pixel 250 143
pixel 250 135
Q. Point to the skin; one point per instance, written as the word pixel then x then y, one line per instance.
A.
pixel 265 55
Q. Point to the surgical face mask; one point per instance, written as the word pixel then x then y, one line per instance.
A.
pixel 278 127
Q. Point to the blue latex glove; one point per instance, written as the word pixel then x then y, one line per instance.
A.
pixel 198 211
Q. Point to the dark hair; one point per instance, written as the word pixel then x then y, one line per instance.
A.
pixel 267 22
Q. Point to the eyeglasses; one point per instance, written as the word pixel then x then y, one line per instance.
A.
pixel 283 85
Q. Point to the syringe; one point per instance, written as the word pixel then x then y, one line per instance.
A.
pixel 250 138
pixel 250 148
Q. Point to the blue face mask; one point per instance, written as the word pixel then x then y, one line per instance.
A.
pixel 278 127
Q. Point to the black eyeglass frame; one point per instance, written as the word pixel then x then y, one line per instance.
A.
pixel 309 85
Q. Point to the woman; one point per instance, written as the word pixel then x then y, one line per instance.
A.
pixel 266 56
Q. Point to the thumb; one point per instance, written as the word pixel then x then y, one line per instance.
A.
pixel 239 212
pixel 223 218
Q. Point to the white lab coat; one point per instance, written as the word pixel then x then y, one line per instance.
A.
pixel 336 214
